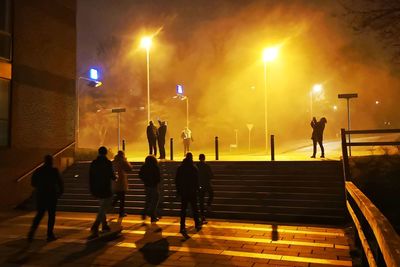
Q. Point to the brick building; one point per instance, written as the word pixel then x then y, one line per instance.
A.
pixel 37 87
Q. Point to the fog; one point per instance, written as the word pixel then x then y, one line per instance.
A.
pixel 213 48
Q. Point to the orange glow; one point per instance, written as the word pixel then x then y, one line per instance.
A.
pixel 146 42
pixel 270 54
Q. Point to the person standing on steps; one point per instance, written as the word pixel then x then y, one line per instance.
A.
pixel 187 138
pixel 101 174
pixel 150 175
pixel 187 184
pixel 317 135
pixel 151 132
pixel 161 132
pixel 205 187
pixel 49 187
pixel 121 165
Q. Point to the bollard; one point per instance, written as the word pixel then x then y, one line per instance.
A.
pixel 171 148
pixel 123 145
pixel 272 147
pixel 216 148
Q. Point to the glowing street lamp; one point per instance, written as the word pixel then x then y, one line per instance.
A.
pixel 316 89
pixel 146 44
pixel 92 81
pixel 268 55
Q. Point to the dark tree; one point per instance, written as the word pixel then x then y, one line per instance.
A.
pixel 381 17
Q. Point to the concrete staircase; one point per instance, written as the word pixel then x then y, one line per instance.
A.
pixel 289 192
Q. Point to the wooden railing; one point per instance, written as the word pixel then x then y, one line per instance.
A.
pixel 55 155
pixel 374 234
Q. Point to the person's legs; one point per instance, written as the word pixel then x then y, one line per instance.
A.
pixel 121 196
pixel 52 218
pixel 184 202
pixel 150 147
pixel 322 148
pixel 162 149
pixel 104 205
pixel 201 202
pixel 41 209
pixel 154 203
pixel 314 148
pixel 155 147
pixel 193 204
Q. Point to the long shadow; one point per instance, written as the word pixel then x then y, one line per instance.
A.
pixel 24 251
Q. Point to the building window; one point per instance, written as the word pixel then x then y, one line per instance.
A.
pixel 5 29
pixel 4 112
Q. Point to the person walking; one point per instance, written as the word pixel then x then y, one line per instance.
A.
pixel 121 165
pixel 150 175
pixel 101 173
pixel 187 138
pixel 161 132
pixel 187 184
pixel 205 187
pixel 151 132
pixel 49 187
pixel 317 135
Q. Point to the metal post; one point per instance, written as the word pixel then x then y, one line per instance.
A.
pixel 265 106
pixel 119 130
pixel 171 148
pixel 348 122
pixel 187 111
pixel 346 165
pixel 216 148
pixel 123 145
pixel 272 147
pixel 77 114
pixel 148 83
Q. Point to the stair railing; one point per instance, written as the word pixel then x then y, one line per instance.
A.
pixel 374 234
pixel 55 155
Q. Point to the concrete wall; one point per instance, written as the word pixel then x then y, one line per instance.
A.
pixel 43 89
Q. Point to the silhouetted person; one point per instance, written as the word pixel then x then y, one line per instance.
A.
pixel 49 187
pixel 161 132
pixel 187 184
pixel 101 173
pixel 151 132
pixel 205 187
pixel 150 175
pixel 187 138
pixel 317 135
pixel 121 165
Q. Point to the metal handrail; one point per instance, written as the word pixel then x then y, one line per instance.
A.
pixel 386 237
pixel 41 164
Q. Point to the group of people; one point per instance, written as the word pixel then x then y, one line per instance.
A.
pixel 156 136
pixel 108 183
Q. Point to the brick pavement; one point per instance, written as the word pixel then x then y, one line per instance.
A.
pixel 219 243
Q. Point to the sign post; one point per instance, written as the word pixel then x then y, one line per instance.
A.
pixel 348 97
pixel 118 111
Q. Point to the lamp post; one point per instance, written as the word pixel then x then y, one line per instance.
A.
pixel 146 44
pixel 316 89
pixel 92 82
pixel 348 97
pixel 268 55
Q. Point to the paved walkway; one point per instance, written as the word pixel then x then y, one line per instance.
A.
pixel 219 243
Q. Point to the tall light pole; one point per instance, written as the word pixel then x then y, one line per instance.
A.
pixel 268 55
pixel 146 44
pixel 179 94
pixel 316 89
pixel 92 82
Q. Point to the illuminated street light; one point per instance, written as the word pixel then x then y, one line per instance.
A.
pixel 146 44
pixel 268 55
pixel 91 82
pixel 335 108
pixel 316 89
pixel 377 102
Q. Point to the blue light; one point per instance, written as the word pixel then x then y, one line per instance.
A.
pixel 179 89
pixel 94 74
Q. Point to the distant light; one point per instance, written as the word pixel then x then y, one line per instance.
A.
pixel 269 54
pixel 377 102
pixel 179 89
pixel 335 108
pixel 317 88
pixel 146 42
pixel 93 74
pixel 93 83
